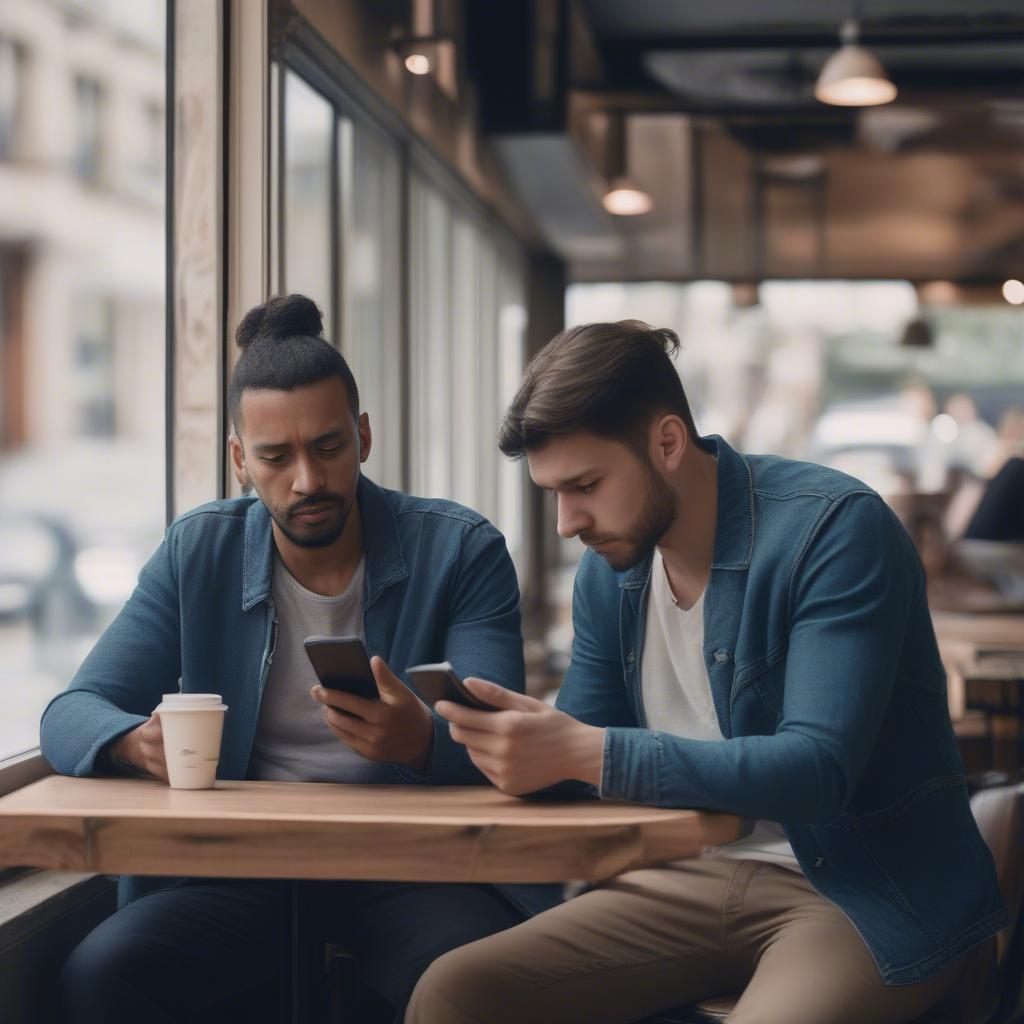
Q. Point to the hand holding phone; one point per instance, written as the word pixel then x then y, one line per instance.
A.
pixel 441 682
pixel 367 706
pixel 341 663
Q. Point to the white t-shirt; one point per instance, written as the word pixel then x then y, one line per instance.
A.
pixel 677 699
pixel 293 743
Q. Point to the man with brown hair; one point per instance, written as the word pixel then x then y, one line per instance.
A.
pixel 751 635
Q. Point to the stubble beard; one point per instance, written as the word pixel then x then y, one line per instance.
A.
pixel 656 517
pixel 318 535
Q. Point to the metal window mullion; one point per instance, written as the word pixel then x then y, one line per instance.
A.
pixel 337 203
pixel 169 362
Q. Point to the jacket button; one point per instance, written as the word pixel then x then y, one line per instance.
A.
pixel 721 656
pixel 631 657
pixel 819 862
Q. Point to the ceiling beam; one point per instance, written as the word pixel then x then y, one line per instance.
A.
pixel 965 31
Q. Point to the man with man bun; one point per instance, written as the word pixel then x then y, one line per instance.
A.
pixel 223 606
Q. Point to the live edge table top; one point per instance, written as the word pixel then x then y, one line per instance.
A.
pixel 327 831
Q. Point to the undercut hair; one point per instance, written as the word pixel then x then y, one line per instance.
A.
pixel 283 349
pixel 611 379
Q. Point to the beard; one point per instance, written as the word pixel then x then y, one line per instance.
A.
pixel 312 535
pixel 656 516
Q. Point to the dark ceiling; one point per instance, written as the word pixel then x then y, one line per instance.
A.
pixel 750 175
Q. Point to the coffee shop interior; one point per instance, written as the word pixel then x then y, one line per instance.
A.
pixel 824 199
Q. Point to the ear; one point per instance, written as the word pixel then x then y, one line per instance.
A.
pixel 238 461
pixel 365 437
pixel 669 441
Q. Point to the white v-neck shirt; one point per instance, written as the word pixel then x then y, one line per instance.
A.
pixel 677 700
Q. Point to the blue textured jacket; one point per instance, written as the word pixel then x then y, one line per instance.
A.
pixel 829 689
pixel 439 584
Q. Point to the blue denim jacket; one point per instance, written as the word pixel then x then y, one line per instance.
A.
pixel 829 689
pixel 439 584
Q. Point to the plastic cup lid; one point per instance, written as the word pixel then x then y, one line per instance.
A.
pixel 191 702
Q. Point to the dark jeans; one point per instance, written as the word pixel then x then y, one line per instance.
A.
pixel 215 949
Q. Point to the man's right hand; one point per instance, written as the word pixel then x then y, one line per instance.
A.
pixel 142 749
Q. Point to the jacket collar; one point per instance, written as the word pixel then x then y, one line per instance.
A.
pixel 382 545
pixel 734 526
pixel 734 529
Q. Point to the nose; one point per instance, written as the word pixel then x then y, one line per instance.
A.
pixel 571 518
pixel 308 478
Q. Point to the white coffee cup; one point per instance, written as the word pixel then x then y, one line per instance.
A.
pixel 192 724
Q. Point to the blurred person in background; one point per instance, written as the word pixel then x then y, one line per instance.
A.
pixel 974 444
pixel 992 545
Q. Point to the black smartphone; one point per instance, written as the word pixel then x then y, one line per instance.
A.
pixel 341 663
pixel 441 682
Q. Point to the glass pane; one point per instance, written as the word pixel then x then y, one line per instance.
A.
pixel 511 360
pixel 488 402
pixel 308 127
pixel 12 72
pixel 82 338
pixel 89 103
pixel 467 341
pixel 430 332
pixel 370 267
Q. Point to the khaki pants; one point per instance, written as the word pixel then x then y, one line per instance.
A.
pixel 656 938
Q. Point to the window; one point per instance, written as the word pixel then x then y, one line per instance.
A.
pixel 93 383
pixel 468 319
pixel 510 354
pixel 430 331
pixel 308 140
pixel 10 96
pixel 82 356
pixel 370 192
pixel 461 338
pixel 88 129
pixel 148 162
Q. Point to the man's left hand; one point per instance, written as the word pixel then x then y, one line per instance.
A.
pixel 398 727
pixel 526 744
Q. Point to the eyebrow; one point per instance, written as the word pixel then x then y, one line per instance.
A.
pixel 331 435
pixel 570 481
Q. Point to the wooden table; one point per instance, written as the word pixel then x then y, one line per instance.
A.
pixel 323 831
pixel 993 630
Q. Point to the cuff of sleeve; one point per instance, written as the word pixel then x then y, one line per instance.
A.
pixel 116 727
pixel 449 763
pixel 630 768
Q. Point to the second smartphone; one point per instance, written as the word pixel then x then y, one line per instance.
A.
pixel 441 682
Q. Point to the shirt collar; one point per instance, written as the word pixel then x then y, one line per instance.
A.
pixel 382 546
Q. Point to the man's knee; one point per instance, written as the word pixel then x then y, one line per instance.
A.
pixel 93 979
pixel 461 987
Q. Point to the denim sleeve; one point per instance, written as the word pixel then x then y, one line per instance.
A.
pixel 484 638
pixel 594 688
pixel 134 662
pixel 850 598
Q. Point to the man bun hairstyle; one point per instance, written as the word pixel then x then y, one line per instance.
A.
pixel 610 379
pixel 282 316
pixel 283 349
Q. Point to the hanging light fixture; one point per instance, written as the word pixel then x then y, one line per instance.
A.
pixel 428 49
pixel 853 76
pixel 624 197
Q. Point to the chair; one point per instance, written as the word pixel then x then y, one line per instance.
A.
pixel 998 805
